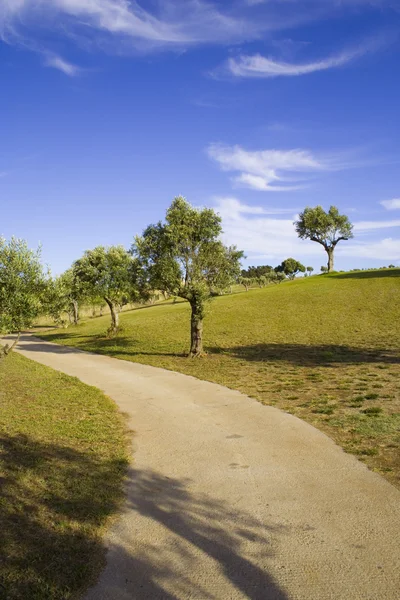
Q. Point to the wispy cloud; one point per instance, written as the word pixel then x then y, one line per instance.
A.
pixel 269 170
pixel 261 231
pixel 173 23
pixel 62 65
pixel 387 249
pixel 266 67
pixel 159 24
pixel 234 207
pixel 266 234
pixel 393 204
pixel 364 226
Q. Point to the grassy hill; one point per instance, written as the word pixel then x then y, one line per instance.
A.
pixel 323 348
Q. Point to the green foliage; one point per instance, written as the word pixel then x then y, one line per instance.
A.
pixel 108 272
pixel 291 267
pixel 309 270
pixel 63 293
pixel 22 285
pixel 185 257
pixel 246 282
pixel 280 276
pixel 325 228
pixel 255 272
pixel 324 269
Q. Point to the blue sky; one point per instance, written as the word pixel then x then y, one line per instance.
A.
pixel 110 108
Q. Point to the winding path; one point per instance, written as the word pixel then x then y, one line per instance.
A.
pixel 230 499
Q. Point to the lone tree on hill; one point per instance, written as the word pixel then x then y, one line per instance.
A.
pixel 325 228
pixel 291 267
pixel 110 273
pixel 22 287
pixel 309 270
pixel 185 257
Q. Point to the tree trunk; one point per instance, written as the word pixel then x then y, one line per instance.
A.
pixel 75 309
pixel 330 259
pixel 5 350
pixel 114 316
pixel 196 333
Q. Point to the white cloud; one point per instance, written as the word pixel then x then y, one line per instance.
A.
pixel 260 233
pixel 364 226
pixel 62 65
pixel 266 234
pixel 393 204
pixel 265 170
pixel 174 23
pixel 229 205
pixel 386 249
pixel 261 66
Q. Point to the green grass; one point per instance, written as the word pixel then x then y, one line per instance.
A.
pixel 63 458
pixel 316 348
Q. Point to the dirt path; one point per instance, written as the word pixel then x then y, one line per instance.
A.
pixel 230 499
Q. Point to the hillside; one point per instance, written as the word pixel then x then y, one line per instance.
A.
pixel 323 348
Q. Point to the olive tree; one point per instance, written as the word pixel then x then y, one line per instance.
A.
pixel 325 228
pixel 245 282
pixel 22 286
pixel 109 272
pixel 309 270
pixel 185 257
pixel 65 293
pixel 290 267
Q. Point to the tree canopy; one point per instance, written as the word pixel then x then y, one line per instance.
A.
pixel 290 267
pixel 22 286
pixel 185 257
pixel 325 228
pixel 109 272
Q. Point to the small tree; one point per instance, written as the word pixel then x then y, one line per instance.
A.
pixel 290 267
pixel 324 269
pixel 245 282
pixel 22 286
pixel 110 273
pixel 309 270
pixel 280 276
pixel 325 228
pixel 65 293
pixel 185 257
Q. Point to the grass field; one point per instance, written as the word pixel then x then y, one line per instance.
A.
pixel 63 456
pixel 323 348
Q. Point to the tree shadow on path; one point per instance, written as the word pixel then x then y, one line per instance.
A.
pixel 186 544
pixel 47 490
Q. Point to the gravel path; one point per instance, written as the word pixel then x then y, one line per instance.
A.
pixel 230 499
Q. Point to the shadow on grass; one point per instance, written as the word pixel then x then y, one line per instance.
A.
pixel 327 355
pixel 98 344
pixel 368 274
pixel 310 356
pixel 53 498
